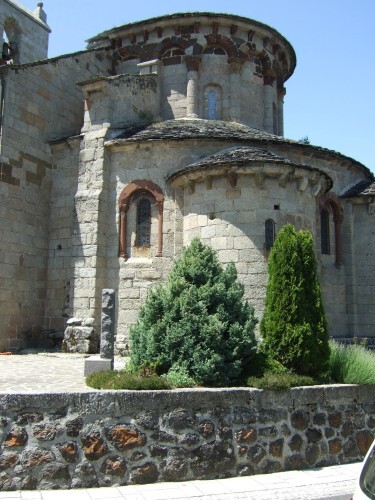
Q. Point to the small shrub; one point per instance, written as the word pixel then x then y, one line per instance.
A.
pixel 179 377
pixel 293 327
pixel 119 380
pixel 351 364
pixel 280 381
pixel 198 321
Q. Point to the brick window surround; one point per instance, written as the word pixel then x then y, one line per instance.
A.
pixel 125 199
pixel 330 203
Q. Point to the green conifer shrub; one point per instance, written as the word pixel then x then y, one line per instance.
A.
pixel 197 323
pixel 293 327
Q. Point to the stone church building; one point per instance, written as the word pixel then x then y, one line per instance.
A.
pixel 114 158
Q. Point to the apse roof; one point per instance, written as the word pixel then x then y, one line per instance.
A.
pixel 217 130
pixel 364 187
pixel 237 156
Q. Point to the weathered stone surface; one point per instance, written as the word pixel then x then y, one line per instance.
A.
pixel 114 466
pixel 212 459
pixel 148 420
pixel 268 432
pixel 189 439
pixel 225 431
pixel 276 448
pixel 179 420
pixel 80 339
pixel 68 450
pixel 47 432
pixel 350 448
pixel 145 474
pixel 268 467
pixel 157 450
pixel 244 415
pixel 126 438
pixel 16 437
pixel 54 472
pixel 295 443
pixel 335 446
pixel 28 417
pixel 6 482
pixel 247 435
pixel 319 419
pixel 213 446
pixel 94 446
pixel 85 476
pixel 300 419
pixel 206 428
pixel 74 426
pixel 138 455
pixel 295 462
pixel 173 469
pixel 163 436
pixel 107 334
pixel 364 440
pixel 312 454
pixel 36 456
pixel 256 453
pixel 8 460
pixel 313 435
pixel 335 419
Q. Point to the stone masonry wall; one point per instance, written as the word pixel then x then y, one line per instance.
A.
pixel 360 263
pixel 26 29
pixel 36 108
pixel 124 437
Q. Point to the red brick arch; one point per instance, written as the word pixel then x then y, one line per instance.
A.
pixel 125 198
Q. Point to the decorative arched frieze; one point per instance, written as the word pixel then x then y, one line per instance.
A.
pixel 225 43
pixel 330 203
pixel 134 51
pixel 125 199
pixel 168 44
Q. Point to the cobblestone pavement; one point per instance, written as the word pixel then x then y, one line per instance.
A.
pixel 32 372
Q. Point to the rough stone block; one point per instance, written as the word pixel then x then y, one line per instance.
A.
pixel 95 364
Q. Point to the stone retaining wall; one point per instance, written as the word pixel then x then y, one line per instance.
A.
pixel 109 438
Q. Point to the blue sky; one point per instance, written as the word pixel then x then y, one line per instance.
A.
pixel 330 96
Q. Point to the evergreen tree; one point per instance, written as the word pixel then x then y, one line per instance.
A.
pixel 197 323
pixel 293 327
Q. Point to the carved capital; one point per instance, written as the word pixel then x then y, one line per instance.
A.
pixel 192 62
pixel 259 179
pixel 235 64
pixel 302 185
pixel 232 179
pixel 269 79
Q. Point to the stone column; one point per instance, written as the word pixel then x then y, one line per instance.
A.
pixel 160 228
pixel 338 219
pixel 235 88
pixel 280 111
pixel 123 234
pixel 105 360
pixel 268 104
pixel 192 64
pixel 107 337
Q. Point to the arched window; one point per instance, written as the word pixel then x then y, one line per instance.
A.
pixel 172 56
pixel 269 230
pixel 213 49
pixel 330 206
pixel 325 239
pixel 141 202
pixel 212 103
pixel 143 228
